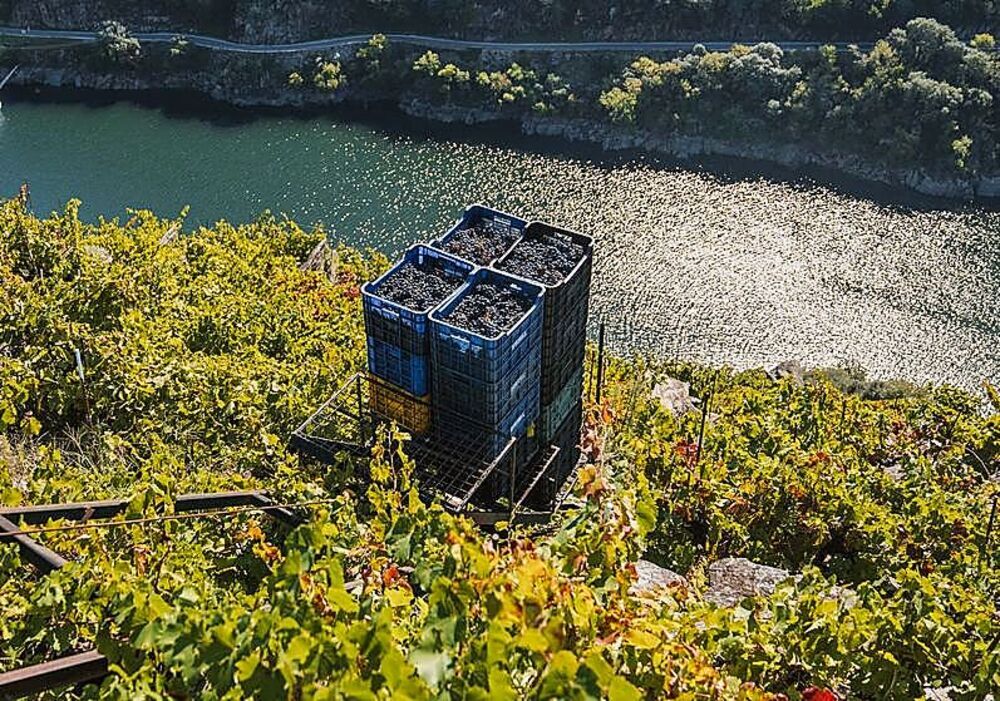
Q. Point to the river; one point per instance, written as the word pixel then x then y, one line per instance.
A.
pixel 725 267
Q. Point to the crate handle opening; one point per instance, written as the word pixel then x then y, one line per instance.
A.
pixel 515 427
pixel 517 384
pixel 518 340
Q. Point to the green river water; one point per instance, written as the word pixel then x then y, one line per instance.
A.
pixel 742 269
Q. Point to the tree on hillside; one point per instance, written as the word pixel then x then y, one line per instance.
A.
pixel 117 44
pixel 328 75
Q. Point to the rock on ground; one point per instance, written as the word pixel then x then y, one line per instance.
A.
pixel 789 369
pixel 652 577
pixel 895 471
pixel 945 694
pixel 674 396
pixel 735 578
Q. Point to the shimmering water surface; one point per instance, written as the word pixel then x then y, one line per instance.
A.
pixel 744 270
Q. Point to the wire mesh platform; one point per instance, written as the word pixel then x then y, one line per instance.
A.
pixel 453 470
pixel 457 470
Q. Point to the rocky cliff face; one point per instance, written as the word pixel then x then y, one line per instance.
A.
pixel 252 21
pixel 685 146
pixel 80 14
pixel 285 21
pixel 90 14
pixel 238 79
pixel 297 20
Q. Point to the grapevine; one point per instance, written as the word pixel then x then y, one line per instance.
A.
pixel 202 351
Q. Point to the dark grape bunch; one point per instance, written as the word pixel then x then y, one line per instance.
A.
pixel 548 258
pixel 489 309
pixel 418 287
pixel 482 244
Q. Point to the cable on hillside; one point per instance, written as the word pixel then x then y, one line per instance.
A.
pixel 166 517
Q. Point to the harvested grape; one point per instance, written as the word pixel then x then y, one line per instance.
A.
pixel 418 287
pixel 482 244
pixel 489 309
pixel 548 258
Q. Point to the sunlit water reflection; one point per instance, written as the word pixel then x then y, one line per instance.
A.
pixel 746 270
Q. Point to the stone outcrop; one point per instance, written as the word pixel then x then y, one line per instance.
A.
pixel 790 370
pixel 451 114
pixel 653 577
pixel 674 396
pixel 735 578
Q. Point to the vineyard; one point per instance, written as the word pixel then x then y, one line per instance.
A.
pixel 147 359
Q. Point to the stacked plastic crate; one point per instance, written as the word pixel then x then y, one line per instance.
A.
pixel 498 355
pixel 486 350
pixel 561 261
pixel 487 370
pixel 396 309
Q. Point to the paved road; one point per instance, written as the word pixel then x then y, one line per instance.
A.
pixel 416 40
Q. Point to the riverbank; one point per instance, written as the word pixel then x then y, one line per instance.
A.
pixel 716 260
pixel 574 139
pixel 266 94
pixel 686 147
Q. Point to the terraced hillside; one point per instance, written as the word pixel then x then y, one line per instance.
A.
pixel 201 349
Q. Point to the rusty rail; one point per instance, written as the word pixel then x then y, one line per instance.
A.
pixel 73 669
pixel 35 553
pixel 92 666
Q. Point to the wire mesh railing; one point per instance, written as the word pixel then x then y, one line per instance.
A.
pixel 471 468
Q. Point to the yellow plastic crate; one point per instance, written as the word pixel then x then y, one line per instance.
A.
pixel 410 412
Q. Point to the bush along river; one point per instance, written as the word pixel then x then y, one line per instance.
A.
pixel 725 266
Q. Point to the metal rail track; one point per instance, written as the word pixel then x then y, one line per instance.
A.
pixel 91 666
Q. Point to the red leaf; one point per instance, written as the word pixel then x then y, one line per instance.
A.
pixel 813 693
pixel 390 575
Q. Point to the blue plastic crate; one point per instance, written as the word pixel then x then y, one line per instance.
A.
pixel 564 320
pixel 398 338
pixel 520 422
pixel 400 326
pixel 408 371
pixel 502 223
pixel 489 404
pixel 481 377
